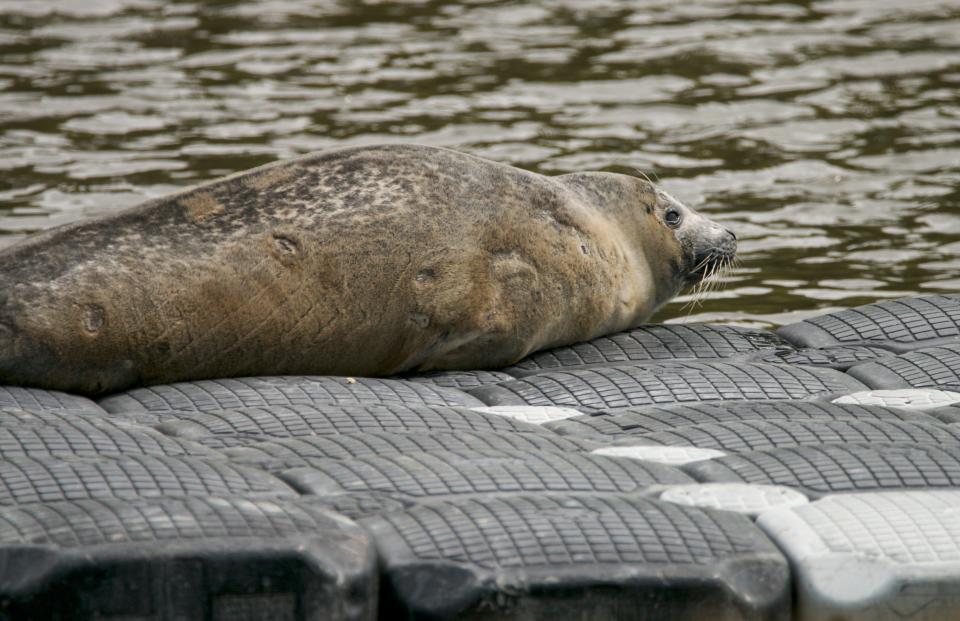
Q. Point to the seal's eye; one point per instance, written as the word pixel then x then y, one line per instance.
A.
pixel 672 217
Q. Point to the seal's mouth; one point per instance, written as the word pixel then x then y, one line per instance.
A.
pixel 712 258
pixel 710 264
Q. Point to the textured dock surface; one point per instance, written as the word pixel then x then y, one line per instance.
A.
pixel 700 471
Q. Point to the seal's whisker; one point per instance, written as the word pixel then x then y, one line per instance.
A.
pixel 714 270
pixel 715 277
pixel 689 304
pixel 694 301
pixel 700 265
pixel 710 283
pixel 645 176
pixel 703 289
pixel 695 295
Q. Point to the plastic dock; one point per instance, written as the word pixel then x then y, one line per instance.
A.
pixel 669 472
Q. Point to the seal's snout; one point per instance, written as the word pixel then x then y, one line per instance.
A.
pixel 713 249
pixel 708 247
pixel 728 242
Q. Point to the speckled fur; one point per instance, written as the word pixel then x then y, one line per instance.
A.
pixel 359 261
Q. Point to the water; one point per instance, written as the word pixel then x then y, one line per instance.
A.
pixel 826 134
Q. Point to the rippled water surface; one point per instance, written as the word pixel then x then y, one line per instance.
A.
pixel 826 134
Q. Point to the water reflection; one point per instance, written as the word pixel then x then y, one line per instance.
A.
pixel 827 134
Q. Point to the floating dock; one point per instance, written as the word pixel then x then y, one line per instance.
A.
pixel 669 472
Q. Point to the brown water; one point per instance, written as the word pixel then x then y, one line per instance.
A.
pixel 826 134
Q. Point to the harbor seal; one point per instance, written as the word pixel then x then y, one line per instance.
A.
pixel 356 261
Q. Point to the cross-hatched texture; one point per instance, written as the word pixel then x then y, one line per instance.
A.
pixel 309 420
pixel 16 417
pixel 754 435
pixel 832 468
pixel 653 342
pixel 225 394
pixel 901 527
pixel 221 559
pixel 645 419
pixel 601 388
pixel 905 321
pixel 91 440
pixel 873 556
pixel 421 475
pixel 544 531
pixel 923 368
pixel 72 524
pixel 296 452
pixel 35 399
pixel 356 505
pixel 26 480
pixel 66 419
pixel 576 557
pixel 840 358
pixel 238 440
pixel 462 380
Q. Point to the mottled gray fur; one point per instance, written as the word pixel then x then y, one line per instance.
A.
pixel 360 261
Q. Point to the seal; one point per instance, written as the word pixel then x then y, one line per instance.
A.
pixel 356 261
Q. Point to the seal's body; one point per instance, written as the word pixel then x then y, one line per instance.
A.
pixel 358 261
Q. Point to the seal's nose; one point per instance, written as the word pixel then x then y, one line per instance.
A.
pixel 731 234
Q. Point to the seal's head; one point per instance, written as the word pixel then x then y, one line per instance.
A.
pixel 707 247
pixel 670 246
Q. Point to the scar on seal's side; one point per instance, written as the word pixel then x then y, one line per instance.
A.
pixel 355 261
